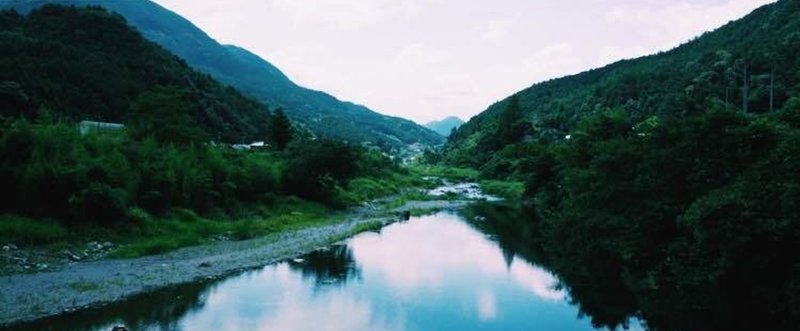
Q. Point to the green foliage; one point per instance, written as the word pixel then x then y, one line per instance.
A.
pixel 182 228
pixel 28 231
pixel 447 172
pixel 701 74
pixel 281 130
pixel 88 64
pixel 508 190
pixel 165 115
pixel 319 112
pixel 316 169
pixel 159 184
pixel 654 194
pixel 685 215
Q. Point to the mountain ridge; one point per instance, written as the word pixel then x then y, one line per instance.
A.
pixel 445 126
pixel 322 113
pixel 697 75
pixel 93 66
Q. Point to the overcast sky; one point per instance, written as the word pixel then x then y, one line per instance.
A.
pixel 427 59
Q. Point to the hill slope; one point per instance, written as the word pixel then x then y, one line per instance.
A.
pixel 91 65
pixel 698 75
pixel 320 112
pixel 445 126
pixel 650 196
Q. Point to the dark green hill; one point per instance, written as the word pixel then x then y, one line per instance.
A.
pixel 88 64
pixel 445 126
pixel 663 189
pixel 322 113
pixel 696 76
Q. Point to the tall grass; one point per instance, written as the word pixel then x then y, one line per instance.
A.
pixel 27 231
pixel 183 228
pixel 508 190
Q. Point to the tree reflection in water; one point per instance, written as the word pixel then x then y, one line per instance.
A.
pixel 612 293
pixel 597 289
pixel 330 266
pixel 160 310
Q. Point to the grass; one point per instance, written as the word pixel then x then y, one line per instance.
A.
pixel 508 190
pixel 404 198
pixel 367 227
pixel 446 172
pixel 359 228
pixel 27 231
pixel 183 228
pixel 417 212
pixel 149 235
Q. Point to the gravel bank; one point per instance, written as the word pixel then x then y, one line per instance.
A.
pixel 25 297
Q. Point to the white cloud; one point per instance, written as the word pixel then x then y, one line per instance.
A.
pixel 536 280
pixel 486 305
pixel 668 24
pixel 427 59
pixel 553 61
pixel 496 31
pixel 347 14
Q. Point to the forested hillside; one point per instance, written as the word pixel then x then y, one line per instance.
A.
pixel 665 188
pixel 89 65
pixel 699 75
pixel 317 111
pixel 60 65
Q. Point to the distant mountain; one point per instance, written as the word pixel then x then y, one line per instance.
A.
pixel 445 126
pixel 89 64
pixel 321 113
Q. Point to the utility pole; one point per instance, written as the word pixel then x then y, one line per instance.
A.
pixel 772 89
pixel 744 88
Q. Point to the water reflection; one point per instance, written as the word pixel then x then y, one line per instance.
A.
pixel 431 273
pixel 333 265
pixel 160 310
pixel 600 294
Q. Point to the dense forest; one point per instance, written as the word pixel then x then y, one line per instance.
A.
pixel 89 65
pixel 664 188
pixel 319 112
pixel 60 65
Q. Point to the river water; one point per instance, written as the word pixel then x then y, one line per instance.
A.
pixel 437 272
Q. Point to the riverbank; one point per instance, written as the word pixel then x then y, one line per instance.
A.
pixel 26 297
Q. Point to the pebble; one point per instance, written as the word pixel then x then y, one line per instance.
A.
pixel 72 257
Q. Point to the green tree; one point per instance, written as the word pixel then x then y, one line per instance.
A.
pixel 165 114
pixel 511 127
pixel 281 130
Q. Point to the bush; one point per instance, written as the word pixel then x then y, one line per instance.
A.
pixel 26 231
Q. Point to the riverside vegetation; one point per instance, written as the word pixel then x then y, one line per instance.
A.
pixel 663 188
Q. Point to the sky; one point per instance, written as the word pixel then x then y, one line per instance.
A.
pixel 428 59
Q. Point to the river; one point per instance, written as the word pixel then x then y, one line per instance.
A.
pixel 436 272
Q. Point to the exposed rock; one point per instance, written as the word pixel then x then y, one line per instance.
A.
pixel 204 265
pixel 72 257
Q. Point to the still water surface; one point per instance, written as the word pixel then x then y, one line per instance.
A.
pixel 431 273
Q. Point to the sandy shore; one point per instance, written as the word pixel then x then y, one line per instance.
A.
pixel 26 297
